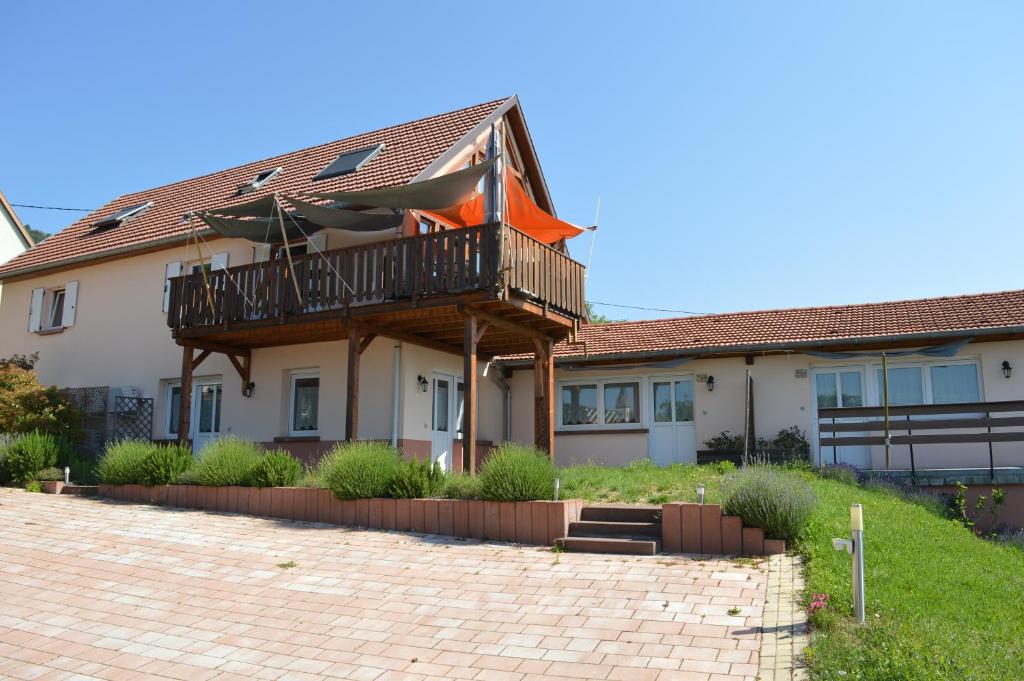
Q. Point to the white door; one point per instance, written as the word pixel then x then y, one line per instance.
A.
pixel 841 387
pixel 673 435
pixel 205 419
pixel 442 422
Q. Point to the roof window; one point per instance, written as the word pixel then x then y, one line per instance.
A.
pixel 258 181
pixel 349 162
pixel 122 215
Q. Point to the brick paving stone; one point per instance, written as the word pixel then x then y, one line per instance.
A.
pixel 784 627
pixel 99 589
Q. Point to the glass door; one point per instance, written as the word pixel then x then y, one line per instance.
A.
pixel 673 435
pixel 441 417
pixel 842 387
pixel 206 399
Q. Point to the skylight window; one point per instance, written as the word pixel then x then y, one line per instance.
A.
pixel 349 162
pixel 258 181
pixel 123 215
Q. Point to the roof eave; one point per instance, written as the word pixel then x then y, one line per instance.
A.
pixel 22 232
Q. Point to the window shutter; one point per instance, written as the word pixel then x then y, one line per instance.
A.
pixel 70 302
pixel 35 310
pixel 219 262
pixel 317 242
pixel 171 270
pixel 261 253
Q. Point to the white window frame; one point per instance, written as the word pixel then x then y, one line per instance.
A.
pixel 924 366
pixel 50 303
pixel 600 382
pixel 292 378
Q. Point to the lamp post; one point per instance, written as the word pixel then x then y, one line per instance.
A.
pixel 700 494
pixel 855 547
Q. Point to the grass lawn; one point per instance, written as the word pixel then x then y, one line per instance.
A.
pixel 941 603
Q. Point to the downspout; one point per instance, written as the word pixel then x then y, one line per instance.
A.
pixel 396 393
pixel 506 390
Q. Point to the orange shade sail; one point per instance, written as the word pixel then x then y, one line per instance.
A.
pixel 522 213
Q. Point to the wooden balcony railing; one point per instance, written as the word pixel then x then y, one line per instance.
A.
pixel 490 258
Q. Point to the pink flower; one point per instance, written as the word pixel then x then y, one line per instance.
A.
pixel 818 602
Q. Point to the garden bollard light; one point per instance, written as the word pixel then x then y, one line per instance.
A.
pixel 558 483
pixel 855 547
pixel 700 494
pixel 67 475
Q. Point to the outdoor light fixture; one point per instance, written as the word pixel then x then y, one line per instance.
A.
pixel 700 494
pixel 1006 369
pixel 423 383
pixel 711 383
pixel 247 390
pixel 855 547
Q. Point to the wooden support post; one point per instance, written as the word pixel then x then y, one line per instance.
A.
pixel 185 412
pixel 544 396
pixel 352 385
pixel 470 386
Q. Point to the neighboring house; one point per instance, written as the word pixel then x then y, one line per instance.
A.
pixel 14 238
pixel 661 388
pixel 96 299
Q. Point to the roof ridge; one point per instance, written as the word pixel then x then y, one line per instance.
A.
pixel 807 308
pixel 309 148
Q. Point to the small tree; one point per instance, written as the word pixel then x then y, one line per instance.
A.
pixel 27 405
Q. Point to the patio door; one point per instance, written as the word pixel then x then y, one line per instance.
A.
pixel 448 397
pixel 673 436
pixel 206 398
pixel 841 387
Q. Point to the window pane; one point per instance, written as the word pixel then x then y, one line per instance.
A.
pixel 853 390
pixel 825 389
pixel 955 383
pixel 306 401
pixel 579 405
pixel 441 405
pixel 57 309
pixel 174 417
pixel 460 407
pixel 684 400
pixel 622 403
pixel 216 408
pixel 206 402
pixel 662 402
pixel 905 386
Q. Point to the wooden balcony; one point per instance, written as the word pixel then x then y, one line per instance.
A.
pixel 414 288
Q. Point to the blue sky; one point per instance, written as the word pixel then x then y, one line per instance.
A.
pixel 747 155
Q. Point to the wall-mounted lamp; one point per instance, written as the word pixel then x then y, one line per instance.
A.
pixel 711 383
pixel 247 390
pixel 423 383
pixel 1006 369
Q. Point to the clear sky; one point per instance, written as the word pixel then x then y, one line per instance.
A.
pixel 747 155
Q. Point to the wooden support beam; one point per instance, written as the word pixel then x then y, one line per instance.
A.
pixel 502 323
pixel 214 346
pixel 413 338
pixel 544 396
pixel 352 385
pixel 366 342
pixel 199 360
pixel 480 332
pixel 469 382
pixel 185 411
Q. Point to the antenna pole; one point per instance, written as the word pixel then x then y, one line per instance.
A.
pixel 593 235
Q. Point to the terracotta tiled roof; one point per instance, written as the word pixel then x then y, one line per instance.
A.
pixel 410 148
pixel 952 316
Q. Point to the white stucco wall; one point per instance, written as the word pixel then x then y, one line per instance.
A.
pixel 10 241
pixel 782 398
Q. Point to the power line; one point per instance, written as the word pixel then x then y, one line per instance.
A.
pixel 28 205
pixel 649 309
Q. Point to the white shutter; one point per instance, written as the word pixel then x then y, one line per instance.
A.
pixel 70 302
pixel 35 310
pixel 317 242
pixel 219 262
pixel 261 253
pixel 171 270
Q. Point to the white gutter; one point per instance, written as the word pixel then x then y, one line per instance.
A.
pixel 396 394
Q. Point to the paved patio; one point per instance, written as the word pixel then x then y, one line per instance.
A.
pixel 99 589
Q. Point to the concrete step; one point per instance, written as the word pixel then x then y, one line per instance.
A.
pixel 621 513
pixel 632 547
pixel 605 528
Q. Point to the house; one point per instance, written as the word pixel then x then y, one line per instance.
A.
pixel 413 284
pixel 299 336
pixel 14 238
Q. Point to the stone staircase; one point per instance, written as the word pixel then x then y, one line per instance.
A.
pixel 611 528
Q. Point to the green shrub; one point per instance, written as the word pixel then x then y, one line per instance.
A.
pixel 462 487
pixel 164 464
pixel 121 463
pixel 514 472
pixel 725 442
pixel 27 454
pixel 227 460
pixel 777 501
pixel 26 405
pixel 33 486
pixel 83 471
pixel 277 469
pixel 724 467
pixel 51 474
pixel 359 470
pixel 418 480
